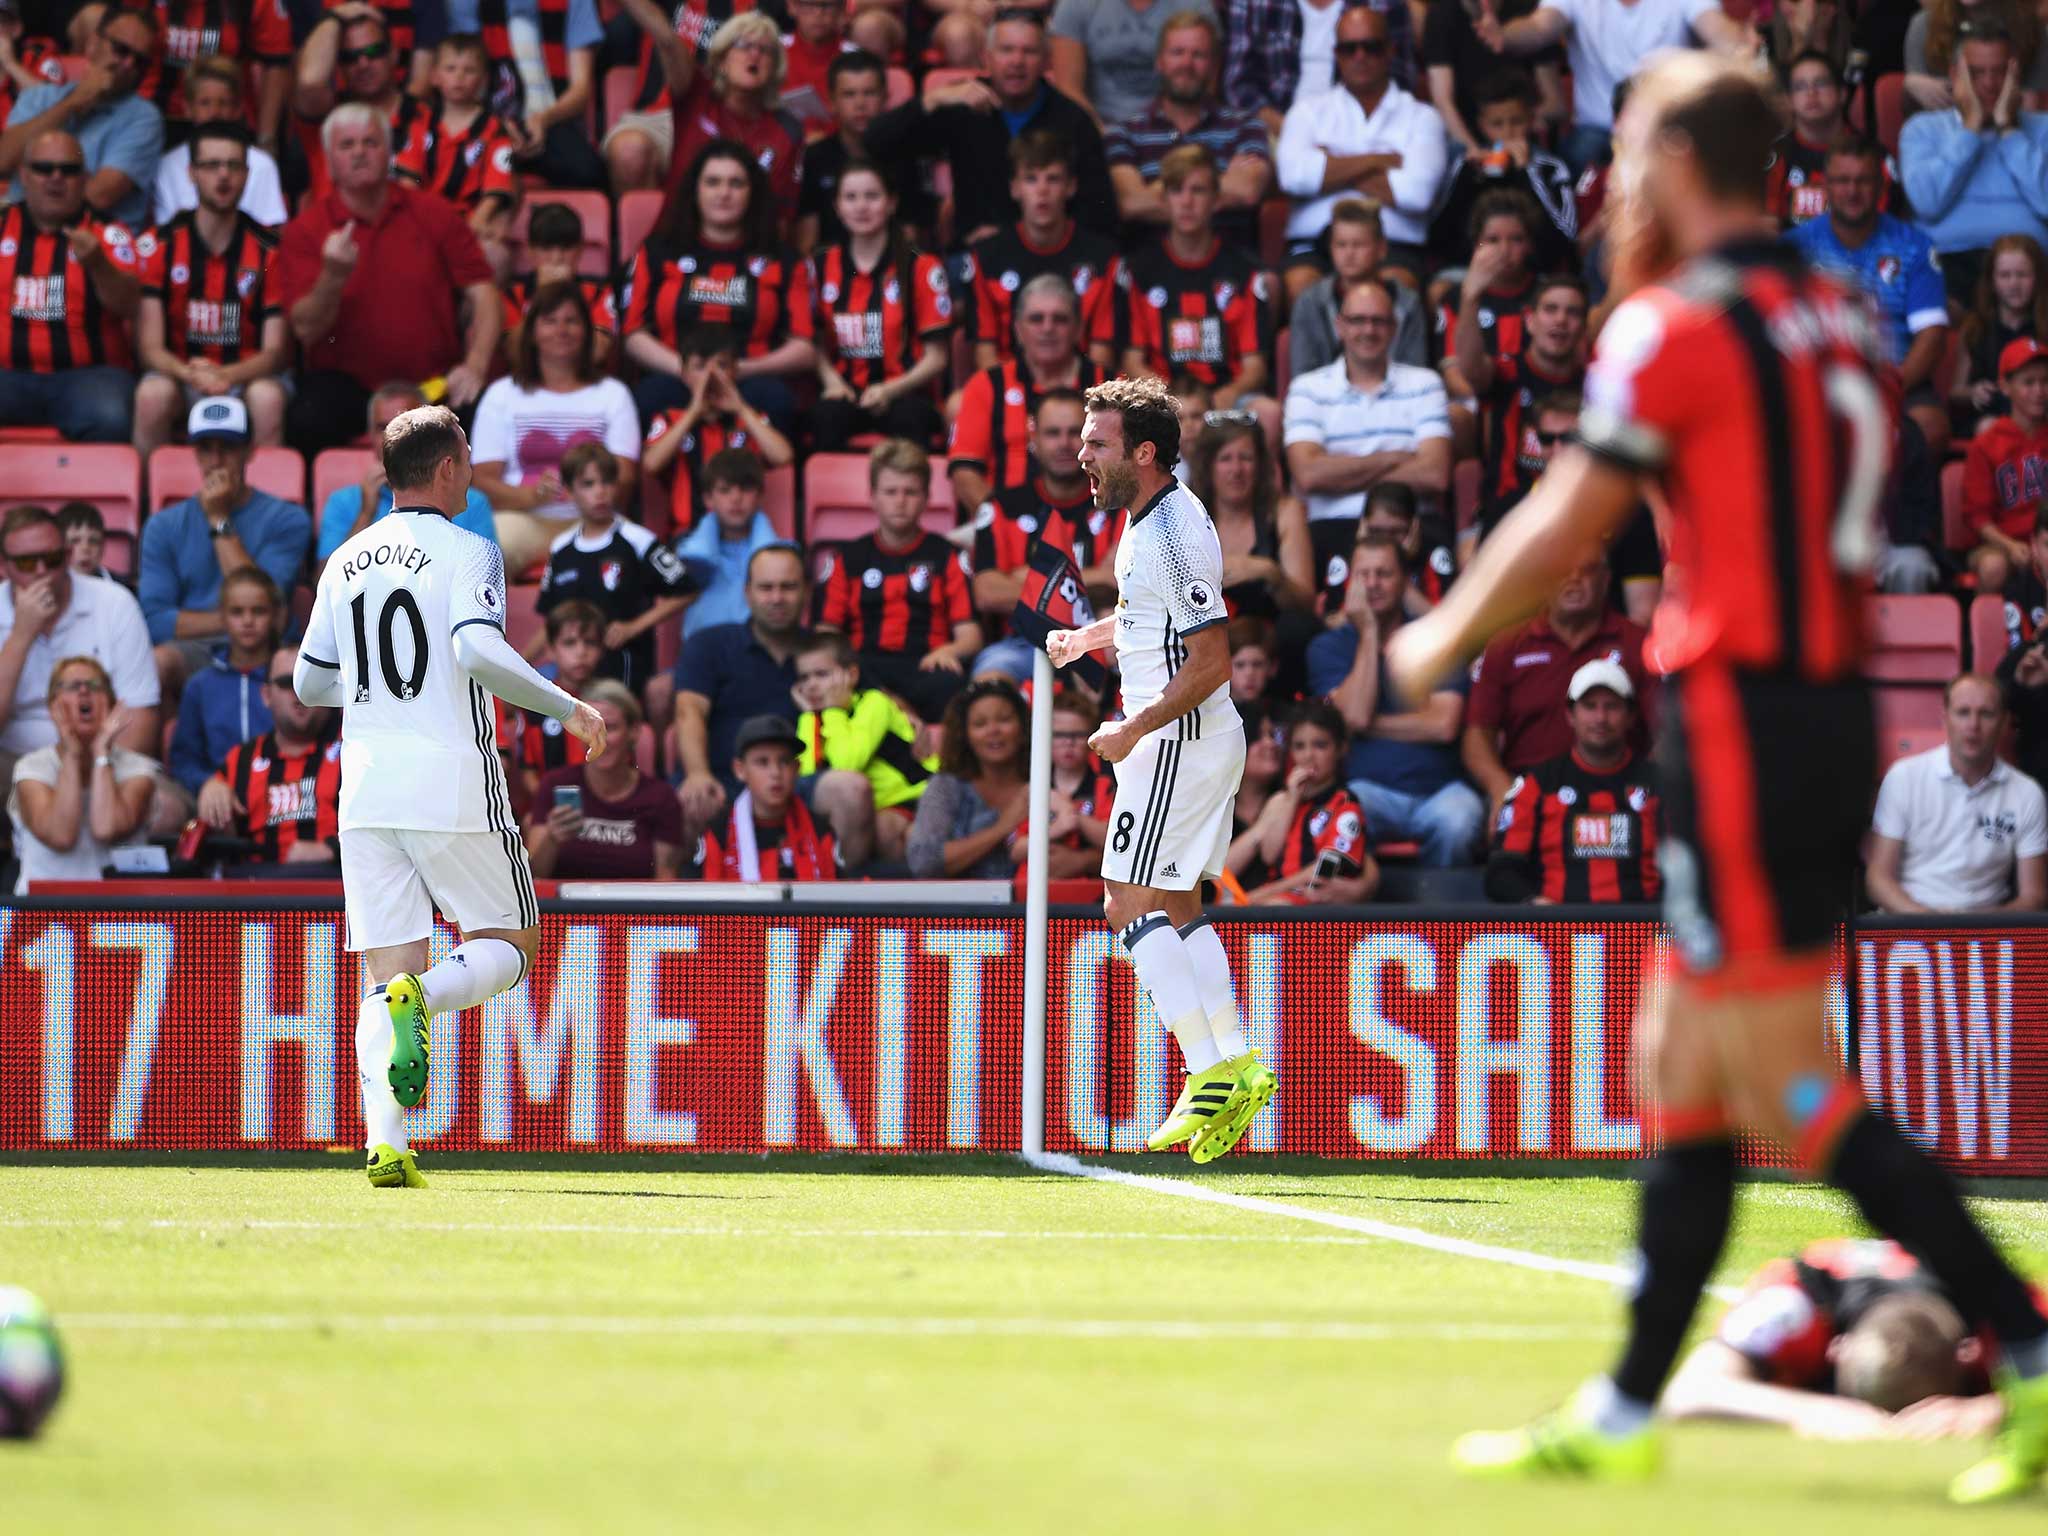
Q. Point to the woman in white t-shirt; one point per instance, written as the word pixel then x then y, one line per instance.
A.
pixel 554 399
pixel 74 801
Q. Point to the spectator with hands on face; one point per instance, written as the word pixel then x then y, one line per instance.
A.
pixel 1308 845
pixel 76 800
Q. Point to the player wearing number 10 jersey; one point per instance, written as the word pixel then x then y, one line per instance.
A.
pixel 407 638
pixel 1746 386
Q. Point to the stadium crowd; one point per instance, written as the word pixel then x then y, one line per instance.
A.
pixel 771 322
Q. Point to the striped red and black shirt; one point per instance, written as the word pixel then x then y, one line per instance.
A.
pixel 544 745
pixel 900 602
pixel 508 93
pixel 597 293
pixel 41 58
pixel 1006 529
pixel 695 21
pixel 55 319
pixel 252 31
pixel 1568 832
pixel 461 166
pixel 765 298
pixel 1327 821
pixel 1500 320
pixel 1002 263
pixel 876 323
pixel 215 303
pixel 992 433
pixel 289 799
pixel 1749 385
pixel 712 435
pixel 1203 319
pixel 1513 458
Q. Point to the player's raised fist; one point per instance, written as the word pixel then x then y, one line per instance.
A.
pixel 1060 647
pixel 587 726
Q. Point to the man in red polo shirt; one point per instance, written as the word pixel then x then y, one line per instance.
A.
pixel 1515 717
pixel 372 278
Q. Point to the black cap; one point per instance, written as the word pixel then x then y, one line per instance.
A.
pixel 761 729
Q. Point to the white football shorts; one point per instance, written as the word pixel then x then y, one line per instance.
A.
pixel 392 881
pixel 1170 827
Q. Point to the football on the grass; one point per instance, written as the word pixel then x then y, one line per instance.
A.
pixel 31 1364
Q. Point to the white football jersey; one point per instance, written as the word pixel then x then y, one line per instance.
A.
pixel 418 735
pixel 1169 584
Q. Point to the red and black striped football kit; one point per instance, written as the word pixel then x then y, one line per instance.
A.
pixel 1500 321
pixel 765 298
pixel 712 435
pixel 1569 832
pixel 1513 458
pixel 1005 261
pixel 41 58
pixel 1328 821
pixel 876 323
pixel 597 293
pixel 55 319
pixel 992 433
pixel 461 167
pixel 289 800
pixel 1007 528
pixel 508 93
pixel 1202 319
pixel 903 602
pixel 248 31
pixel 215 303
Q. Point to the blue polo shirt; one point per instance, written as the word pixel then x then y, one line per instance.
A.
pixel 1896 266
pixel 343 503
pixel 125 134
pixel 729 665
pixel 1412 767
pixel 179 572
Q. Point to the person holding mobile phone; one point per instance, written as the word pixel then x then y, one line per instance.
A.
pixel 602 818
pixel 1308 846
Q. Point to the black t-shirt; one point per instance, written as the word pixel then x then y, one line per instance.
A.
pixel 623 575
pixel 1448 39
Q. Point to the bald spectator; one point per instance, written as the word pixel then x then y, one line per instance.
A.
pixel 1516 716
pixel 120 135
pixel 1957 829
pixel 375 279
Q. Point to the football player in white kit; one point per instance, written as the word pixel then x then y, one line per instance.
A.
pixel 1178 751
pixel 407 638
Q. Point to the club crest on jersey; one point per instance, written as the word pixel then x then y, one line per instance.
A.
pixel 920 577
pixel 1200 594
pixel 145 245
pixel 1567 796
pixel 1337 572
pixel 1888 269
pixel 1638 797
pixel 245 281
pixel 871 578
pixel 1009 282
pixel 826 565
pixel 609 573
pixel 180 273
pixel 1506 818
pixel 1156 297
pixel 1013 397
pixel 550 727
pixel 890 292
pixel 830 293
pixel 473 151
pixel 1317 822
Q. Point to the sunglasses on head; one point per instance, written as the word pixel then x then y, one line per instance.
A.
pixel 37 560
pixel 56 168
pixel 1373 47
pixel 367 51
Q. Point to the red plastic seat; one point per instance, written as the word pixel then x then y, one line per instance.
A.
pixel 1273 213
pixel 339 469
pixel 523 619
pixel 594 208
pixel 778 500
pixel 1988 638
pixel 838 507
pixel 108 475
pixel 1914 639
pixel 174 474
pixel 638 212
pixel 1906 709
pixel 1904 742
pixel 1466 482
pixel 1283 362
pixel 901 86
pixel 1890 93
pixel 1953 530
pixel 619 81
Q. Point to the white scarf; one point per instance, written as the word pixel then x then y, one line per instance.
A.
pixel 743 834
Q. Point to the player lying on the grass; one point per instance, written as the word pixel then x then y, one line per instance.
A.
pixel 1746 386
pixel 1178 751
pixel 1848 1340
pixel 407 637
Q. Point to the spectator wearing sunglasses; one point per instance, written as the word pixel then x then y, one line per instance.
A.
pixel 48 612
pixel 348 56
pixel 120 136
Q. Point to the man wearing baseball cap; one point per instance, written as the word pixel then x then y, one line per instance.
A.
pixel 1583 827
pixel 188 546
pixel 769 834
pixel 2005 475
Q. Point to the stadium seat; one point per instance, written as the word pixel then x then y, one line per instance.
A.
pixel 1890 94
pixel 596 212
pixel 1914 639
pixel 1893 745
pixel 339 468
pixel 1988 639
pixel 638 212
pixel 1953 532
pixel 30 435
pixel 778 500
pixel 901 86
pixel 174 474
pixel 618 92
pixel 1466 482
pixel 107 475
pixel 1273 214
pixel 1906 709
pixel 643 748
pixel 837 506
pixel 523 619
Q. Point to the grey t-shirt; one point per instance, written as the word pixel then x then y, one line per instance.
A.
pixel 1121 41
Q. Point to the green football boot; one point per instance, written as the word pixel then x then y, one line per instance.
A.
pixel 392 1169
pixel 410 1044
pixel 1202 1097
pixel 2020 1454
pixel 1256 1085
pixel 1563 1444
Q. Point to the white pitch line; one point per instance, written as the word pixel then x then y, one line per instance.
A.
pixel 1171 1330
pixel 584 1229
pixel 1413 1237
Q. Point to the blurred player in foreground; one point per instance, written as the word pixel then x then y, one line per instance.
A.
pixel 407 637
pixel 1178 752
pixel 1744 385
pixel 1851 1339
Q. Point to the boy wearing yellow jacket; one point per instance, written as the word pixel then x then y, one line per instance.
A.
pixel 846 728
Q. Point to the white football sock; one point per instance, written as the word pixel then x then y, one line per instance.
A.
pixel 1212 980
pixel 480 969
pixel 1165 973
pixel 383 1120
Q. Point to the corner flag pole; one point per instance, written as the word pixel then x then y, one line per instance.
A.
pixel 1036 947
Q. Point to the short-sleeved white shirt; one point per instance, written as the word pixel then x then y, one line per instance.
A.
pixel 1961 840
pixel 528 430
pixel 102 621
pixel 1610 41
pixel 1169 585
pixel 1326 408
pixel 86 858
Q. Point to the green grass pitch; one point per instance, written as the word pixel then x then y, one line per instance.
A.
pixel 858 1345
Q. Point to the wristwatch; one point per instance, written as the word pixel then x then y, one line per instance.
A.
pixel 221 529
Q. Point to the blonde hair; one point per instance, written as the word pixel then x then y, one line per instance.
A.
pixel 901 455
pixel 748 25
pixel 90 663
pixel 609 690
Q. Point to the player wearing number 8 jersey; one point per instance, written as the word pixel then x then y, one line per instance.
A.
pixel 1178 751
pixel 407 638
pixel 1744 385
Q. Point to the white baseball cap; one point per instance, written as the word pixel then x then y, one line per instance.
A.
pixel 1600 674
pixel 222 416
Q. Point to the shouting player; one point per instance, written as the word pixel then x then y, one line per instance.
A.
pixel 407 636
pixel 1746 386
pixel 1178 751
